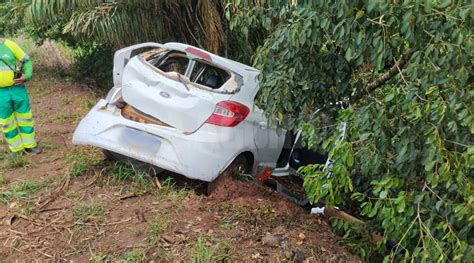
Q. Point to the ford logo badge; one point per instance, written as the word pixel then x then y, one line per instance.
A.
pixel 165 95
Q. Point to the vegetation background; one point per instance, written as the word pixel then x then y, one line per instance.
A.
pixel 397 74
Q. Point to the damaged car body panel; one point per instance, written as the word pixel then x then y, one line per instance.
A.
pixel 182 109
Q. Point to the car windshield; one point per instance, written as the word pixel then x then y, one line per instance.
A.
pixel 195 70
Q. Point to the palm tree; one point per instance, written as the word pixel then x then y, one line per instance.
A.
pixel 123 22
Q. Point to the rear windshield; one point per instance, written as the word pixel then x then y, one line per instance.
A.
pixel 197 71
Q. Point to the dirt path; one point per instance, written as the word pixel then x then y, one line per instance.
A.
pixel 70 204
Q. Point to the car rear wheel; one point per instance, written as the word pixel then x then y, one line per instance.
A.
pixel 239 166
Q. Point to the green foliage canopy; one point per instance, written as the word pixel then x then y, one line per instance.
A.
pixel 403 72
pixel 11 17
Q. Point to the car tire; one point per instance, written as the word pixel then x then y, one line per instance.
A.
pixel 240 165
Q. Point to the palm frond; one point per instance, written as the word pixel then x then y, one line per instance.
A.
pixel 123 22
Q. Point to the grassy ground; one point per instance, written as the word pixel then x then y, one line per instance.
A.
pixel 71 204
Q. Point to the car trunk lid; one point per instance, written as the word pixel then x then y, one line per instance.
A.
pixel 168 96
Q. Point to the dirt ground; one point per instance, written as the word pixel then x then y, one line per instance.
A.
pixel 71 204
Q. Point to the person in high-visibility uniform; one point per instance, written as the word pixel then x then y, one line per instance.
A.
pixel 16 119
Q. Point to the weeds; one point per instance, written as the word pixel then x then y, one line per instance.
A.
pixel 26 209
pixel 308 226
pixel 230 221
pixel 158 226
pixel 98 258
pixel 141 181
pixel 245 177
pixel 85 103
pixel 169 191
pixel 83 159
pixel 133 256
pixel 48 145
pixel 16 162
pixel 204 253
pixel 87 213
pixel 48 55
pixel 266 213
pixel 63 117
pixel 120 171
pixel 22 190
pixel 3 180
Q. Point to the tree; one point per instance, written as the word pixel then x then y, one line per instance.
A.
pixel 11 18
pixel 403 72
pixel 94 29
pixel 124 22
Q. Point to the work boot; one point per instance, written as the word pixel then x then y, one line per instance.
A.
pixel 35 150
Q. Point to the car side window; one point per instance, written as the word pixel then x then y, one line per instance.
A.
pixel 173 63
pixel 208 75
pixel 198 71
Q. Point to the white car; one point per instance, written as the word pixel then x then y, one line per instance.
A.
pixel 182 109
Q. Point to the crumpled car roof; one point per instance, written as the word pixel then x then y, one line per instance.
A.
pixel 239 68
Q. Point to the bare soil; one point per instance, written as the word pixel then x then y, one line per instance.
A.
pixel 70 204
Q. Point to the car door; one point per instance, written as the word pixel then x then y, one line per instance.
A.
pixel 268 140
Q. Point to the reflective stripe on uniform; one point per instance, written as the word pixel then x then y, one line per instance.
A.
pixel 8 124
pixel 15 141
pixel 27 136
pixel 5 68
pixel 28 142
pixel 25 119
pixel 25 116
pixel 26 124
pixel 25 58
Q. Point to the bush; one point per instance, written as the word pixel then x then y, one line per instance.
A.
pixel 93 64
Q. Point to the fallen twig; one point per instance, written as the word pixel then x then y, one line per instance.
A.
pixel 17 232
pixel 65 144
pixel 72 253
pixel 44 254
pixel 22 253
pixel 128 196
pixel 157 182
pixel 52 209
pixel 70 239
pixel 105 224
pixel 55 194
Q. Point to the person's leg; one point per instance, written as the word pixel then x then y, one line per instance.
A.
pixel 24 117
pixel 8 122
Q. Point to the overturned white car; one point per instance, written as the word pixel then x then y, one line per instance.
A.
pixel 182 109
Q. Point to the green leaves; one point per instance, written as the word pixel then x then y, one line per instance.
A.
pixel 406 159
pixel 371 4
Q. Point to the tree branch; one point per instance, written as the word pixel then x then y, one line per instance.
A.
pixel 394 70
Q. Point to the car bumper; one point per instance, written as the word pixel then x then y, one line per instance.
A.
pixel 202 155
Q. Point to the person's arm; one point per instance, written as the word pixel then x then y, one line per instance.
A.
pixel 28 69
pixel 22 57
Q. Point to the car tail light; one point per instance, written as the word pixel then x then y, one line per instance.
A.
pixel 228 114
